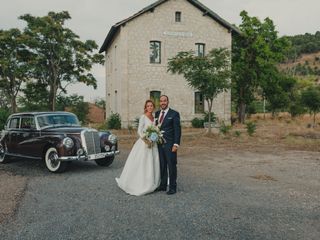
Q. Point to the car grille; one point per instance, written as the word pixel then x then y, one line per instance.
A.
pixel 91 141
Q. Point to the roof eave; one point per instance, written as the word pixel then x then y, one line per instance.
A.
pixel 109 38
pixel 209 12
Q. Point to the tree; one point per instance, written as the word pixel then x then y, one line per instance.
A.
pixel 60 57
pixel 4 100
pixel 256 53
pixel 280 92
pixel 14 65
pixel 208 74
pixel 34 98
pixel 100 103
pixel 311 99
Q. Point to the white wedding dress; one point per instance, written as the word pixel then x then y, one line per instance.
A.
pixel 141 172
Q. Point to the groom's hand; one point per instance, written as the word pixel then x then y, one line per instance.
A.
pixel 174 148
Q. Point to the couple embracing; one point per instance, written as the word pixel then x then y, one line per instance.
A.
pixel 148 166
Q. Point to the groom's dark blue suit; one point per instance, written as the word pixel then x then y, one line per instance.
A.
pixel 168 159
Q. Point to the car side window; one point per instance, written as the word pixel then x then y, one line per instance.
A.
pixel 14 123
pixel 27 123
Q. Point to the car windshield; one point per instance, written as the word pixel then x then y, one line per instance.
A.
pixel 58 120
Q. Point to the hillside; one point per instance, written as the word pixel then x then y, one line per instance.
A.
pixel 303 66
pixel 303 60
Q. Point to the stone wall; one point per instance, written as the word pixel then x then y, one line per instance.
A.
pixel 133 77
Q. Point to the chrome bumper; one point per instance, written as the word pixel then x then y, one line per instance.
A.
pixel 88 157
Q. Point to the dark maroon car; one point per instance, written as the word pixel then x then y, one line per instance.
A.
pixel 57 138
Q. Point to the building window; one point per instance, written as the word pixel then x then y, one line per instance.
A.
pixel 155 52
pixel 200 49
pixel 178 16
pixel 198 103
pixel 155 97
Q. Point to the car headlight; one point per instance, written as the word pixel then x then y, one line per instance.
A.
pixel 107 148
pixel 68 142
pixel 80 152
pixel 112 138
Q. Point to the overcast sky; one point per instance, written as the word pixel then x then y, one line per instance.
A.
pixel 92 19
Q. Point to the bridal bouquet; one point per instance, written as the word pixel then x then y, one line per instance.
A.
pixel 153 135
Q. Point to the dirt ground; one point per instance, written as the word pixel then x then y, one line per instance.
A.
pixel 282 137
pixel 12 188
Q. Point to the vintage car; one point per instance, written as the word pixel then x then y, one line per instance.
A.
pixel 57 138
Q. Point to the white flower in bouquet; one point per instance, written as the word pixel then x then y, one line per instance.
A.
pixel 153 135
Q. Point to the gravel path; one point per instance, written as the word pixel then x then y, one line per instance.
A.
pixel 221 195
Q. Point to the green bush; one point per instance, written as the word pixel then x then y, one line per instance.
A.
pixel 114 121
pixel 237 133
pixel 197 123
pixel 225 129
pixel 251 128
pixel 4 114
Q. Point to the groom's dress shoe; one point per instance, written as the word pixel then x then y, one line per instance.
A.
pixel 158 189
pixel 171 191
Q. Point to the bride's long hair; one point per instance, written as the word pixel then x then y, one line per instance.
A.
pixel 145 105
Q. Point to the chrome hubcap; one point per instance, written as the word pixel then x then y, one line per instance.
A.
pixel 53 158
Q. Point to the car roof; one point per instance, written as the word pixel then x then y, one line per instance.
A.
pixel 39 113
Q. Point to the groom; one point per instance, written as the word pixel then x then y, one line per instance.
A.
pixel 169 122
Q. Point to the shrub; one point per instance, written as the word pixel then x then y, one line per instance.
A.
pixel 114 121
pixel 197 123
pixel 225 129
pixel 237 133
pixel 251 128
pixel 296 110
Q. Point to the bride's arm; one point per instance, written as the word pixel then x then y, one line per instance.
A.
pixel 141 127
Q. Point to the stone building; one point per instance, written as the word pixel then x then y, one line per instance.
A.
pixel 137 50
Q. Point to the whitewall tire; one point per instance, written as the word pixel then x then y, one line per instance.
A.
pixel 3 154
pixel 52 162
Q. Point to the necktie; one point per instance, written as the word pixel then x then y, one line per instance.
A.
pixel 162 116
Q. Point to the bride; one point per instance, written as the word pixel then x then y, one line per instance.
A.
pixel 141 173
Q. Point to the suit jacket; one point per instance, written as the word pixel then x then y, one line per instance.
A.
pixel 171 126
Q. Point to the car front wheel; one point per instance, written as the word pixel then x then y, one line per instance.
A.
pixel 52 162
pixel 104 162
pixel 3 154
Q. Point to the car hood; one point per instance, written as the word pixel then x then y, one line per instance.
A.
pixel 64 130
